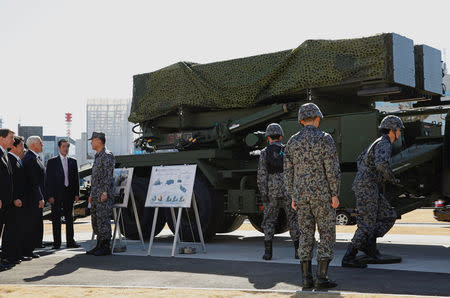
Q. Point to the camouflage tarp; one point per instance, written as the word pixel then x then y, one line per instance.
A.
pixel 245 82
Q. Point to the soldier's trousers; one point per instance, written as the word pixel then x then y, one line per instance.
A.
pixel 312 212
pixel 100 219
pixel 271 210
pixel 375 215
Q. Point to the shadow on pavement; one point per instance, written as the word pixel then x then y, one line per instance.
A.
pixel 262 276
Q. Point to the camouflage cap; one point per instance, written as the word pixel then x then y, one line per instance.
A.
pixel 274 129
pixel 98 135
pixel 391 122
pixel 309 110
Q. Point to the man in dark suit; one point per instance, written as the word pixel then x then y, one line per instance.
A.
pixel 34 195
pixel 6 189
pixel 62 190
pixel 15 215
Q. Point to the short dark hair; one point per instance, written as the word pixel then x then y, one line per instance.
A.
pixel 384 131
pixel 18 140
pixel 275 137
pixel 4 132
pixel 62 141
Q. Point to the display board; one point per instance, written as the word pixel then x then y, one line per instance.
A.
pixel 122 186
pixel 171 186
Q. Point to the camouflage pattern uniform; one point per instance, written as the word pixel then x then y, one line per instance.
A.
pixel 375 216
pixel 271 187
pixel 312 177
pixel 102 181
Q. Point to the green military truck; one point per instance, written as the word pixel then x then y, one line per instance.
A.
pixel 213 115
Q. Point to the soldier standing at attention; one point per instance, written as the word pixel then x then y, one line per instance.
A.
pixel 101 197
pixel 271 186
pixel 312 179
pixel 375 216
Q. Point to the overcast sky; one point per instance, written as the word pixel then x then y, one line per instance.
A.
pixel 54 55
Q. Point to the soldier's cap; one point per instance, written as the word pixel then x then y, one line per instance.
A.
pixel 309 110
pixel 391 122
pixel 274 129
pixel 98 135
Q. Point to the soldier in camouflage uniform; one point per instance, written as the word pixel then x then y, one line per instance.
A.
pixel 101 197
pixel 271 186
pixel 375 216
pixel 312 179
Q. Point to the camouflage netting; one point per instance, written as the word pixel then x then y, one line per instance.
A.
pixel 245 82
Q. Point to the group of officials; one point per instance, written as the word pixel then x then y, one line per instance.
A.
pixel 26 184
pixel 303 178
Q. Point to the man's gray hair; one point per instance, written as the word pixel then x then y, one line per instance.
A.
pixel 33 139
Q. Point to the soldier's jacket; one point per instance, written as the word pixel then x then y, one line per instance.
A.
pixel 311 165
pixel 270 185
pixel 102 178
pixel 374 168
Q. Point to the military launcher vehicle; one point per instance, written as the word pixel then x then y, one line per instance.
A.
pixel 213 115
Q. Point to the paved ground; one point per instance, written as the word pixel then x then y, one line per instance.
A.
pixel 233 261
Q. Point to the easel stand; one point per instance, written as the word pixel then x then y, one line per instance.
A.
pixel 118 219
pixel 177 227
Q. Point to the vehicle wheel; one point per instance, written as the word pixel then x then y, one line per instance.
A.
pixel 139 186
pixel 230 223
pixel 342 218
pixel 206 210
pixel 225 222
pixel 281 226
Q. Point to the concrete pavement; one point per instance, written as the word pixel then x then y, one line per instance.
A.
pixel 233 261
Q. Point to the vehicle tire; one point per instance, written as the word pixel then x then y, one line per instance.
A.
pixel 204 197
pixel 230 223
pixel 281 226
pixel 225 222
pixel 343 218
pixel 139 186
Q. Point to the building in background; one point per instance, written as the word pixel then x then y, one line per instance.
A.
pixel 27 131
pixel 81 153
pixel 51 146
pixel 111 117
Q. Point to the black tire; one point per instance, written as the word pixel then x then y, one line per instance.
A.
pixel 281 226
pixel 230 223
pixel 225 222
pixel 140 187
pixel 343 218
pixel 206 208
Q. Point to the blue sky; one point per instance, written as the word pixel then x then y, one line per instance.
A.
pixel 54 55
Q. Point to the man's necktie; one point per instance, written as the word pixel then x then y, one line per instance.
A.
pixel 66 172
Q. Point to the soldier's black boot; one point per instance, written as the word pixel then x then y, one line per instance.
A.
pixel 268 250
pixel 349 260
pixel 296 249
pixel 373 247
pixel 307 277
pixel 92 251
pixel 375 257
pixel 322 281
pixel 372 252
pixel 104 249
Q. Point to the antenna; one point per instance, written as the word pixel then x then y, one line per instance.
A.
pixel 68 123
